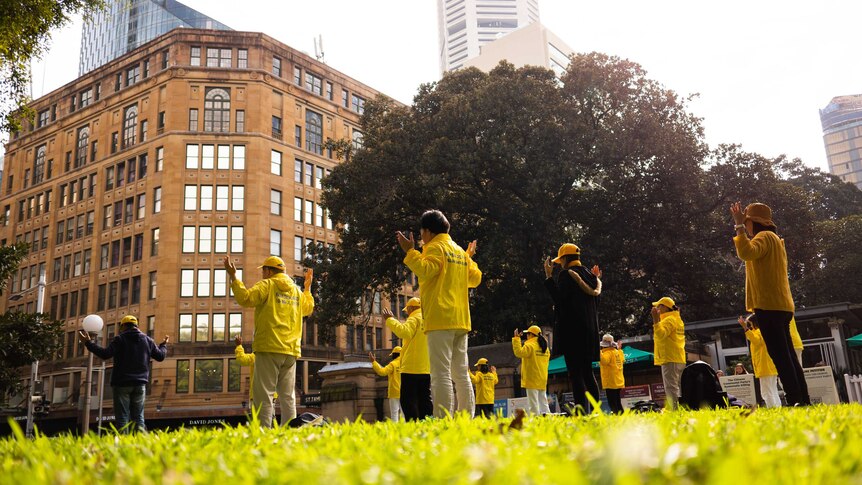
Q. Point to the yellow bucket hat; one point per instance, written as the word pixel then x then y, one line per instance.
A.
pixel 565 250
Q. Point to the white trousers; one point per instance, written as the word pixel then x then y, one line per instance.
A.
pixel 447 350
pixel 395 413
pixel 537 402
pixel 769 391
pixel 274 373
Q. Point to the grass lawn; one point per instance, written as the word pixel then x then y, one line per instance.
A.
pixel 820 444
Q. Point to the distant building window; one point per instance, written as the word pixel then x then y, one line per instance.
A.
pixel 193 119
pixel 329 90
pixel 217 110
pixel 130 122
pixel 43 118
pixel 313 83
pixel 38 167
pixel 297 75
pixel 196 56
pixel 276 127
pixel 275 163
pixel 133 75
pixel 276 66
pixel 358 104
pixel 345 101
pixel 86 97
pixel 82 146
pixel 314 132
pixel 240 121
pixel 242 58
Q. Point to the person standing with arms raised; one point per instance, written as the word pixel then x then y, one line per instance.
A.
pixel 446 273
pixel 575 293
pixel 767 292
pixel 415 366
pixel 279 306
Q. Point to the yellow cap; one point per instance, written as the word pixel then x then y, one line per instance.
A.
pixel 760 213
pixel 396 350
pixel 666 301
pixel 413 302
pixel 535 330
pixel 565 250
pixel 129 319
pixel 273 262
pixel 481 361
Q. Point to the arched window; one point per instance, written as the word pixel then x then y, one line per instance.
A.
pixel 83 142
pixel 39 165
pixel 217 110
pixel 130 126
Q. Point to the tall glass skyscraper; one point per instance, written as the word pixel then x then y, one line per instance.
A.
pixel 125 25
pixel 842 134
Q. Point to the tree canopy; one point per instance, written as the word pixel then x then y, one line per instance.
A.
pixel 603 157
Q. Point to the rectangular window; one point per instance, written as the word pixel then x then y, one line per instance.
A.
pixel 236 235
pixel 297 76
pixel 157 200
pixel 151 294
pixel 146 68
pixel 192 156
pixel 297 171
pixel 133 75
pixel 318 177
pixel 165 60
pixel 136 290
pixel 182 370
pixel 223 157
pixel 297 136
pixel 221 239
pixel 87 255
pixel 222 197
pixel 242 58
pixel 297 209
pixel 344 98
pixel 237 201
pixel 275 162
pixel 205 239
pixel 220 285
pixel 276 66
pixel 358 104
pixel 187 282
pixel 196 56
pixel 225 56
pixel 209 374
pixel 309 174
pixel 313 132
pixel 115 253
pixel 207 157
pixel 185 331
pixel 240 121
pixel 318 215
pixel 206 198
pixel 234 373
pixel 160 159
pixel 154 242
pixel 275 202
pixel 142 206
pixel 309 212
pixel 313 83
pixel 212 57
pixel 193 119
pixel 128 214
pixel 276 127
pixel 274 242
pixel 235 325
pixel 329 90
pixel 202 327
pixel 112 295
pixel 160 122
pixel 188 239
pixel 297 249
pixel 104 256
pixel 191 198
pixel 239 157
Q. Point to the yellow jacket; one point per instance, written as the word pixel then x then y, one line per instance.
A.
pixel 760 359
pixel 611 363
pixel 766 284
pixel 246 359
pixel 445 274
pixel 279 306
pixel 534 363
pixel 484 383
pixel 393 370
pixel 669 337
pixel 794 335
pixel 414 353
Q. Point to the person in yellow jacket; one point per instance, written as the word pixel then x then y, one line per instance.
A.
pixel 669 338
pixel 764 368
pixel 611 360
pixel 446 273
pixel 247 359
pixel 484 380
pixel 393 373
pixel 535 356
pixel 279 306
pixel 415 366
pixel 767 292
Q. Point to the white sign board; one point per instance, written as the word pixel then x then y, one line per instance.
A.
pixel 821 385
pixel 741 387
pixel 517 403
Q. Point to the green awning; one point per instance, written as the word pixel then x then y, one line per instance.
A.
pixel 855 341
pixel 558 364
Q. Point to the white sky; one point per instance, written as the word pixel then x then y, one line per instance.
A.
pixel 763 68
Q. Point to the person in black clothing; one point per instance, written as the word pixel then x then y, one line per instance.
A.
pixel 131 351
pixel 575 293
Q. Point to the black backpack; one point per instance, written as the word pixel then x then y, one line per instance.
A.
pixel 700 388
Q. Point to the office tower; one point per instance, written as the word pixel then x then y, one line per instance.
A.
pixel 842 136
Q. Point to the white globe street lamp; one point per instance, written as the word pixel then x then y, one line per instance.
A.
pixel 92 324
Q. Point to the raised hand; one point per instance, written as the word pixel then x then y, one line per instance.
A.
pixel 596 271
pixel 388 313
pixel 737 212
pixel 371 357
pixel 405 243
pixel 517 333
pixel 238 340
pixel 493 369
pixel 309 277
pixel 471 248
pixel 165 341
pixel 229 266
pixel 656 315
pixel 83 336
pixel 549 267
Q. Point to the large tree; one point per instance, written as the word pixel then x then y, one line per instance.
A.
pixel 25 34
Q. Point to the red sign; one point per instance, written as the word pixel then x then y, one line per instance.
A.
pixel 657 391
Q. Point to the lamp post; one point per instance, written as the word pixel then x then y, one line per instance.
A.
pixel 34 367
pixel 92 324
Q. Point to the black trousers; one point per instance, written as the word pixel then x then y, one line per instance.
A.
pixel 775 328
pixel 416 396
pixel 614 401
pixel 486 410
pixel 582 378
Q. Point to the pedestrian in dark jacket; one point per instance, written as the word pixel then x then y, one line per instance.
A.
pixel 131 351
pixel 575 292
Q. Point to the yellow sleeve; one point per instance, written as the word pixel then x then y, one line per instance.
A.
pixel 663 328
pixel 382 371
pixel 251 297
pixel 402 330
pixel 474 378
pixel 521 351
pixel 474 275
pixel 496 379
pixel 242 357
pixel 307 303
pixel 749 249
pixel 425 264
